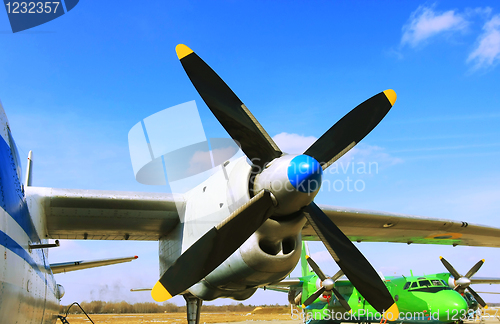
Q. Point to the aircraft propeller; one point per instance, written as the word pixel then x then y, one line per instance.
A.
pixel 260 149
pixel 463 282
pixel 327 285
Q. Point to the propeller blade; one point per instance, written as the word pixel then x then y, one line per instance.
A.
pixel 336 276
pixel 233 115
pixel 214 247
pixel 351 129
pixel 352 262
pixel 313 297
pixel 450 268
pixel 477 298
pixel 474 269
pixel 315 268
pixel 341 299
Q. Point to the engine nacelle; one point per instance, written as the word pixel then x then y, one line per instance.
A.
pixel 268 256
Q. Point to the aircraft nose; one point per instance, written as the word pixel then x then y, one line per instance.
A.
pixel 305 173
pixel 449 306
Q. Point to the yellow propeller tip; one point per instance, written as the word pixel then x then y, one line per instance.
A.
pixel 485 306
pixel 440 258
pixel 159 293
pixel 307 257
pixel 391 96
pixel 392 313
pixel 482 260
pixel 182 51
pixel 303 306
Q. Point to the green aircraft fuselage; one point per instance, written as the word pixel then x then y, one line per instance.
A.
pixel 420 299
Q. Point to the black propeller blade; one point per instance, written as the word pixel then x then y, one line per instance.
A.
pixel 214 247
pixel 477 297
pixel 474 269
pixel 326 286
pixel 233 115
pixel 352 262
pixel 463 282
pixel 450 268
pixel 313 297
pixel 315 268
pixel 351 129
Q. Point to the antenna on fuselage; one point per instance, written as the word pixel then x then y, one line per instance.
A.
pixel 29 168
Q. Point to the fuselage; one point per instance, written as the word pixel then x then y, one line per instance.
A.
pixel 27 286
pixel 426 299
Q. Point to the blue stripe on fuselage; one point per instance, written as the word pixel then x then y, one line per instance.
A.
pixel 9 243
pixel 11 196
pixel 12 201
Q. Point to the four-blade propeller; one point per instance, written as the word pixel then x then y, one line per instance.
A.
pixel 463 282
pixel 327 285
pixel 260 149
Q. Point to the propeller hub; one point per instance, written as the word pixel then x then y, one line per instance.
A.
pixel 294 181
pixel 328 284
pixel 463 282
pixel 304 173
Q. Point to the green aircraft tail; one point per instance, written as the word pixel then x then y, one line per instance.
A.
pixel 306 270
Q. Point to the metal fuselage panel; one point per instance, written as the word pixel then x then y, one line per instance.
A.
pixel 27 286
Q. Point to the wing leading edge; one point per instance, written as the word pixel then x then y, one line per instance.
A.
pixel 105 215
pixel 371 226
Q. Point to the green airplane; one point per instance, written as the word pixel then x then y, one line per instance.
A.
pixel 436 298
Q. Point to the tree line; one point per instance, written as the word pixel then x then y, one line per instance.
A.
pixel 122 307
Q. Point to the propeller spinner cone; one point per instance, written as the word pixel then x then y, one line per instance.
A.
pixel 304 173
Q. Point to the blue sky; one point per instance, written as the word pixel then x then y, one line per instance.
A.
pixel 73 87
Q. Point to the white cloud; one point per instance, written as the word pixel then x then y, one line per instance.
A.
pixel 487 51
pixel 293 143
pixel 425 23
pixel 364 153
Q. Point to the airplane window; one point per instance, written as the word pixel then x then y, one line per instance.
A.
pixel 424 283
pixel 407 285
pixel 437 283
pixel 414 285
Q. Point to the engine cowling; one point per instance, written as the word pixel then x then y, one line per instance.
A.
pixel 268 256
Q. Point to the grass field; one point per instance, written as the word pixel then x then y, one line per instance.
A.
pixel 179 318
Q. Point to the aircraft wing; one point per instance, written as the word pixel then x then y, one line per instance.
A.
pixel 80 265
pixel 484 280
pixel 285 285
pixel 288 282
pixel 371 226
pixel 105 215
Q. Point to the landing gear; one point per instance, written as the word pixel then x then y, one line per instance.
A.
pixel 193 308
